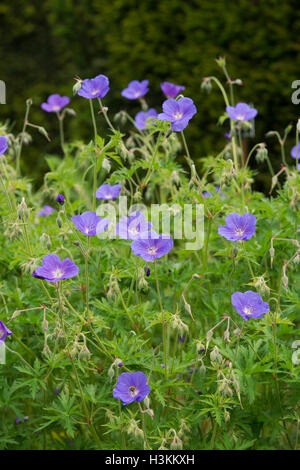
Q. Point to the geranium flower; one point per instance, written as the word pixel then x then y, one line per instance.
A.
pixel 131 228
pixel 210 194
pixel 171 90
pixel 241 112
pixel 249 304
pixel 238 227
pixel 136 89
pixel 94 87
pixel 54 269
pixel 60 199
pixel 4 331
pixel 47 210
pixel 105 191
pixel 294 151
pixel 143 117
pixel 151 246
pixel 90 224
pixel 131 386
pixel 3 144
pixel 55 103
pixel 178 112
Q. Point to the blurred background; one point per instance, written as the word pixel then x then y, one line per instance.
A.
pixel 45 44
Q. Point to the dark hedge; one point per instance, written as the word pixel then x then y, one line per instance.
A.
pixel 45 44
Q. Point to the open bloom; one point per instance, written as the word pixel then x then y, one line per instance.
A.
pixel 131 386
pixel 105 191
pixel 249 304
pixel 241 112
pixel 294 152
pixel 3 144
pixel 94 87
pixel 151 246
pixel 238 227
pixel 131 228
pixel 55 103
pixel 47 210
pixel 178 112
pixel 143 117
pixel 136 89
pixel 90 224
pixel 171 90
pixel 54 269
pixel 4 331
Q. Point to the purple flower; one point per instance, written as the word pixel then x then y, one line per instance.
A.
pixel 241 112
pixel 4 331
pixel 55 103
pixel 54 269
pixel 47 210
pixel 210 194
pixel 131 386
pixel 171 90
pixel 181 339
pixel 131 228
pixel 151 246
pixel 294 151
pixel 227 136
pixel 95 87
pixel 3 144
pixel 136 89
pixel 144 117
pixel 60 199
pixel 238 227
pixel 56 391
pixel 249 304
pixel 90 224
pixel 178 112
pixel 105 191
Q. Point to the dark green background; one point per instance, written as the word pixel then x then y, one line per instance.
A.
pixel 44 44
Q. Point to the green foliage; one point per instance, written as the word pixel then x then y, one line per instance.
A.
pixel 226 383
pixel 50 42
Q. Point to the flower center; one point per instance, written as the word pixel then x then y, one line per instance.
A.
pixel 248 311
pixel 178 115
pixel 239 232
pixel 57 273
pixel 133 391
pixel 240 117
pixel 152 250
pixel 56 108
pixel 94 92
pixel 88 229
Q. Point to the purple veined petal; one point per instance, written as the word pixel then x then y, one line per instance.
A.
pixel 293 152
pixel 4 331
pixel 69 267
pixel 187 107
pixel 107 192
pixel 170 89
pixel 86 223
pixel 227 233
pixel 3 144
pixel 249 304
pixel 170 107
pixel 102 225
pixel 164 117
pixel 178 126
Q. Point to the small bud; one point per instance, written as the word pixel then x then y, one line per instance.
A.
pixel 59 220
pixel 77 86
pixel 206 85
pixel 221 61
pixel 261 153
pixel 60 199
pixel 22 210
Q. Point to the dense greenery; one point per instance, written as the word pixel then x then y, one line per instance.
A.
pixel 230 384
pixel 47 43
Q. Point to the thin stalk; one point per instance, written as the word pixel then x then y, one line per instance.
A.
pixel 163 321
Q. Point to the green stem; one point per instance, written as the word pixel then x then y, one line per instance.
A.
pixel 28 105
pixel 163 321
